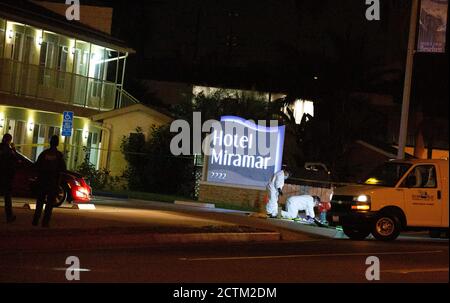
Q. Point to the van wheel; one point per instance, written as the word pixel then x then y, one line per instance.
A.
pixel 386 227
pixel 356 233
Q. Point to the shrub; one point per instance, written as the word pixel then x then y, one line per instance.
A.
pixel 98 179
pixel 153 168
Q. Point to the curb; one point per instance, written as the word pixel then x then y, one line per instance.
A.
pixel 134 240
pixel 194 204
pixel 109 194
pixel 309 229
pixel 216 237
pixel 32 206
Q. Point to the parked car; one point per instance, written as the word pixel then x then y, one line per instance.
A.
pixel 73 187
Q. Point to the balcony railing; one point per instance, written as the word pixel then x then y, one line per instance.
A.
pixel 127 99
pixel 36 81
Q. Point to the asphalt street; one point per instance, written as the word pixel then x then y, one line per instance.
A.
pixel 285 262
pixel 301 256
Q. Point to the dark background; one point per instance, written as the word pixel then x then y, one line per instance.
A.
pixel 277 45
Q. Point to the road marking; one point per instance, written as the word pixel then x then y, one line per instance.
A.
pixel 43 268
pixel 416 270
pixel 314 255
pixel 72 269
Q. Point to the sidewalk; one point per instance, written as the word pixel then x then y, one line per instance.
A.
pixel 119 223
pixel 280 223
pixel 288 225
pixel 288 231
pixel 111 227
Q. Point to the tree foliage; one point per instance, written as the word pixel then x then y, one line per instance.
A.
pixel 248 105
pixel 98 179
pixel 152 167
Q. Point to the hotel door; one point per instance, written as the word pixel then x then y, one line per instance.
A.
pixel 76 155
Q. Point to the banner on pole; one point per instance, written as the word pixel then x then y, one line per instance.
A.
pixel 432 26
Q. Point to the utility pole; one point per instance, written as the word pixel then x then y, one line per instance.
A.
pixel 408 77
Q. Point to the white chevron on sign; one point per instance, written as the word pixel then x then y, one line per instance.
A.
pixel 218 175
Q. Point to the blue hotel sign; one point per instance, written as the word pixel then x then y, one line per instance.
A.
pixel 244 153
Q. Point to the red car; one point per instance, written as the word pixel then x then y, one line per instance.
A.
pixel 73 187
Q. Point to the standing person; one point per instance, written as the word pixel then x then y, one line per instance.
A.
pixel 7 170
pixel 294 204
pixel 274 190
pixel 49 165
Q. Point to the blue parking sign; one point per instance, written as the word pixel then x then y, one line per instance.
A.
pixel 67 124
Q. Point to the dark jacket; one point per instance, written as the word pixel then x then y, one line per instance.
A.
pixel 7 164
pixel 49 166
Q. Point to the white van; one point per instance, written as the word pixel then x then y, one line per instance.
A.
pixel 398 195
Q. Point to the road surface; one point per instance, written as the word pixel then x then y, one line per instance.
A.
pixel 301 258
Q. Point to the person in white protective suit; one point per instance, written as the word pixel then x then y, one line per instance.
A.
pixel 274 190
pixel 306 203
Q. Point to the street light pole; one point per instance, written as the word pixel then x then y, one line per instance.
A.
pixel 408 77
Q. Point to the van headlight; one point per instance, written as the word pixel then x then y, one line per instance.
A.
pixel 362 198
pixel 361 203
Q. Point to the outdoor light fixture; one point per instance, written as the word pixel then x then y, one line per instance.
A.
pixel 2 122
pixel 40 39
pixel 316 78
pixel 31 126
pixel 10 34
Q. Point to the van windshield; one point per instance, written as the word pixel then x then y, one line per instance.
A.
pixel 387 174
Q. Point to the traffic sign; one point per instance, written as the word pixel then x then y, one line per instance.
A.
pixel 67 124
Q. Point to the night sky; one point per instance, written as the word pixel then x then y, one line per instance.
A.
pixel 278 45
pixel 270 42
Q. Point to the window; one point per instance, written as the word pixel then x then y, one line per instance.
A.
pixel 80 68
pixel 43 55
pixel 46 62
pixel 2 38
pixel 42 60
pixel 38 140
pixel 62 64
pixel 92 149
pixel 422 176
pixel 18 131
pixel 98 76
pixel 62 58
pixel 81 57
pixel 43 63
pixel 16 47
pixel 52 130
pixel 387 174
pixel 28 50
pixel 78 61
